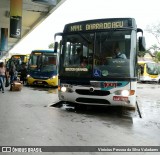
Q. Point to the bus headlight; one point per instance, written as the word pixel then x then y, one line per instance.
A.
pixel 63 89
pixel 124 92
pixel 28 76
pixel 53 77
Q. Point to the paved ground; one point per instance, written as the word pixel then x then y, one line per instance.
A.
pixel 27 119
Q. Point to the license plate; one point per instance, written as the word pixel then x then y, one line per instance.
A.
pixel 39 82
pixel 120 98
pixel 153 79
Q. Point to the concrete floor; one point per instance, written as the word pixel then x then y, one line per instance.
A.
pixel 27 119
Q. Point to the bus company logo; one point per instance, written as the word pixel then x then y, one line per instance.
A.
pixel 20 149
pixel 91 89
pixel 110 84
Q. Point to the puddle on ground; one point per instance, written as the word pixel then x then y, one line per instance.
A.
pixel 53 91
pixel 109 111
pixel 150 110
pixel 50 90
pixel 139 87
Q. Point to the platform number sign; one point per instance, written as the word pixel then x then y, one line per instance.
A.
pixel 15 18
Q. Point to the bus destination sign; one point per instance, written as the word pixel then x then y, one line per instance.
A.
pixel 97 25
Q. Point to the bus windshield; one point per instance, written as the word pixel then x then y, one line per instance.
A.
pixel 93 54
pixel 18 61
pixel 152 68
pixel 45 62
pixel 18 57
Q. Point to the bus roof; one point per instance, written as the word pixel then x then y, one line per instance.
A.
pixel 19 55
pixel 100 24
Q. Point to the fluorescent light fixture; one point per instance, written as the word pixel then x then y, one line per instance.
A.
pixel 46 2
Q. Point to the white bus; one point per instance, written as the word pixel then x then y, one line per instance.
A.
pixel 99 78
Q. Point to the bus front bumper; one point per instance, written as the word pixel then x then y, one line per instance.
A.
pixel 48 82
pixel 106 100
pixel 149 79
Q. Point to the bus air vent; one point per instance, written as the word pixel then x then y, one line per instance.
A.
pixel 92 100
pixel 95 92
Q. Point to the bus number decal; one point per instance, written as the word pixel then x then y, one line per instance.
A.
pixel 111 84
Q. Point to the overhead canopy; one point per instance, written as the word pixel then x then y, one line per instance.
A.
pixel 33 13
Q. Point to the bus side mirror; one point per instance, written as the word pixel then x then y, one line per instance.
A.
pixel 142 44
pixel 55 47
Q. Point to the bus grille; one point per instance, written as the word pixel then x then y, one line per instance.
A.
pixel 95 92
pixel 41 78
pixel 92 100
pixel 40 83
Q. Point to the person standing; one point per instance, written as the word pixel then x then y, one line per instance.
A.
pixel 12 72
pixel 78 56
pixel 2 75
pixel 23 72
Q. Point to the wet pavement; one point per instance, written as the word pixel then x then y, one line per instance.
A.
pixel 149 103
pixel 30 118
